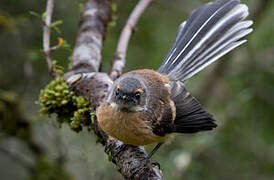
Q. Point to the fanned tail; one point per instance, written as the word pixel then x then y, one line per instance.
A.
pixel 210 32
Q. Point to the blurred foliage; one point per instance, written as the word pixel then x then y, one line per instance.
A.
pixel 242 100
pixel 12 118
pixel 46 170
pixel 15 124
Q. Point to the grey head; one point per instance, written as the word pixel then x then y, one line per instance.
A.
pixel 128 94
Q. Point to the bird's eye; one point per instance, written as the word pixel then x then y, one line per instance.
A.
pixel 117 93
pixel 137 95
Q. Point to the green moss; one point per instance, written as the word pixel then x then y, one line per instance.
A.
pixel 56 98
pixel 81 117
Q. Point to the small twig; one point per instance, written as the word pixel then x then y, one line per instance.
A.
pixel 46 37
pixel 120 55
pixel 56 46
pixel 53 48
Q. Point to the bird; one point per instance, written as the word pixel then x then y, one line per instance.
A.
pixel 149 106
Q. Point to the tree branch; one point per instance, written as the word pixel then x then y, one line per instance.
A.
pixel 133 162
pixel 120 55
pixel 87 51
pixel 46 37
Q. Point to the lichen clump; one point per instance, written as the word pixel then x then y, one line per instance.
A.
pixel 56 98
pixel 81 117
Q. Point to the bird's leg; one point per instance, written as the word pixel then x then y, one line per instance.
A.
pixel 154 150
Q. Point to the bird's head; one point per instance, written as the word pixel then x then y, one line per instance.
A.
pixel 128 94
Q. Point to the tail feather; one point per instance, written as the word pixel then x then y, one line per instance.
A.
pixel 179 35
pixel 237 32
pixel 219 53
pixel 210 32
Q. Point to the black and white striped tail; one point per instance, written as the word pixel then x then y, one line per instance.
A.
pixel 210 32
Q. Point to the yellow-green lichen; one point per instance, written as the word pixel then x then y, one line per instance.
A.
pixel 56 98
pixel 81 117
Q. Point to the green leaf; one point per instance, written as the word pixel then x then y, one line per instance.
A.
pixel 35 14
pixel 56 23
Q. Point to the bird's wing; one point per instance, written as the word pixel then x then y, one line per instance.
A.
pixel 190 115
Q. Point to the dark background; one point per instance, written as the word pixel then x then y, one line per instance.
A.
pixel 238 91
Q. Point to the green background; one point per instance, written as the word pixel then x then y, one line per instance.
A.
pixel 238 91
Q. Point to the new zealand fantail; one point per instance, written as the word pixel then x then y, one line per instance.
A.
pixel 147 106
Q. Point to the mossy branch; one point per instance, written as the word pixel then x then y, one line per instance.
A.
pixel 74 110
